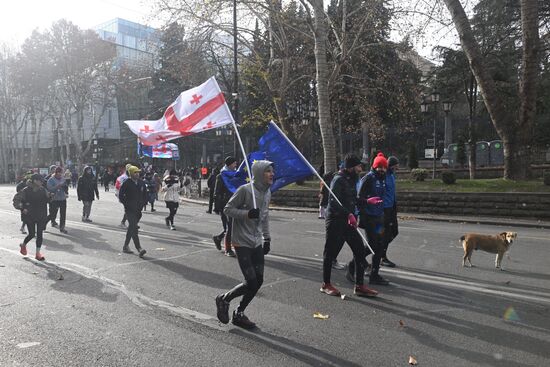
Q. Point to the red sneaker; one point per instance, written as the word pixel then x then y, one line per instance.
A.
pixel 23 249
pixel 329 289
pixel 364 291
pixel 39 257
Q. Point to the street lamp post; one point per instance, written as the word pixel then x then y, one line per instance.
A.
pixel 447 105
pixel 435 101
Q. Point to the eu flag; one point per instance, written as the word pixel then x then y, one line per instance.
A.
pixel 273 146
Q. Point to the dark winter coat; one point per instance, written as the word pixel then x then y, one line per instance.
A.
pixel 221 194
pixel 87 187
pixel 371 186
pixel 133 195
pixel 344 187
pixel 36 204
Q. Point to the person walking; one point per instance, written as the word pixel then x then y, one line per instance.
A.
pixel 371 215
pixel 85 189
pixel 118 184
pixel 251 239
pixel 107 178
pixel 133 195
pixel 221 197
pixel 171 189
pixel 390 211
pixel 25 181
pixel 211 183
pixel 151 185
pixel 341 226
pixel 58 187
pixel 68 175
pixel 34 208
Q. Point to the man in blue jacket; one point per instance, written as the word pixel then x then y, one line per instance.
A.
pixel 371 215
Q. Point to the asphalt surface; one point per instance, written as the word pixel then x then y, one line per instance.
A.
pixel 90 305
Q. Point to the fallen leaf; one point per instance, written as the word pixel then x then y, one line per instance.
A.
pixel 320 316
pixel 401 323
pixel 160 249
pixel 412 361
pixel 343 296
pixel 27 345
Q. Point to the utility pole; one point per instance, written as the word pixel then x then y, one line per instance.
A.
pixel 235 93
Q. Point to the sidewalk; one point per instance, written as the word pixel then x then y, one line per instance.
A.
pixel 527 223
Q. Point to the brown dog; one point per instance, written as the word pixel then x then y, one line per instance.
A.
pixel 497 244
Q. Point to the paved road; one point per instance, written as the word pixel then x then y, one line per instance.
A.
pixel 90 305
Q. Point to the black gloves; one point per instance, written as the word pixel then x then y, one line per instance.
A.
pixel 267 246
pixel 254 213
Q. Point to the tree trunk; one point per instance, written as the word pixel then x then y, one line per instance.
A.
pixel 472 136
pixel 515 131
pixel 323 102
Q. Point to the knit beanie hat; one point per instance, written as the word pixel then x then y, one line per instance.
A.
pixel 351 161
pixel 392 161
pixel 380 161
pixel 229 161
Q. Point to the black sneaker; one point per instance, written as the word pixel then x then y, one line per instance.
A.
pixel 167 221
pixel 55 225
pixel 127 250
pixel 378 280
pixel 386 262
pixel 223 309
pixel 63 230
pixel 142 253
pixel 239 319
pixel 217 242
pixel 230 253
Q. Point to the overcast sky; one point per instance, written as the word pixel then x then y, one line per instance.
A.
pixel 18 18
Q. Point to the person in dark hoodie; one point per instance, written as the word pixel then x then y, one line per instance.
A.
pixel 25 181
pixel 251 240
pixel 34 207
pixel 390 210
pixel 341 226
pixel 58 187
pixel 133 195
pixel 85 189
pixel 371 215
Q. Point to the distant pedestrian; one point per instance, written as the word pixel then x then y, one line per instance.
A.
pixel 151 191
pixel 68 175
pixel 211 183
pixel 171 189
pixel 221 196
pixel 341 226
pixel 58 187
pixel 133 195
pixel 390 210
pixel 251 239
pixel 34 204
pixel 187 181
pixel 74 178
pixel 106 179
pixel 86 188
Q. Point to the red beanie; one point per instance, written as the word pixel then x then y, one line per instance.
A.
pixel 380 161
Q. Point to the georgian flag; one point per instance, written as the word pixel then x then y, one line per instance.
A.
pixel 195 110
pixel 164 150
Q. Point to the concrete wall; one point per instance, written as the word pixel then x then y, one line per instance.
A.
pixel 525 205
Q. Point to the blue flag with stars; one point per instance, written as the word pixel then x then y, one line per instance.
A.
pixel 273 146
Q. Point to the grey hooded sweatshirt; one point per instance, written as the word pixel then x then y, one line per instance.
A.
pixel 250 232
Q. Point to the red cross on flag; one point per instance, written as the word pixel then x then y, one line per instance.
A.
pixel 195 110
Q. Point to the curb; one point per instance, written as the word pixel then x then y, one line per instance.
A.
pixel 473 220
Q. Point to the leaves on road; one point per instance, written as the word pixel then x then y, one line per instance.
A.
pixel 412 361
pixel 401 323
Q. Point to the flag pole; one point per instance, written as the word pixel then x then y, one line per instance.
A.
pixel 319 176
pixel 246 163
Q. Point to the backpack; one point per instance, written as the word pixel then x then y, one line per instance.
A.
pixel 18 200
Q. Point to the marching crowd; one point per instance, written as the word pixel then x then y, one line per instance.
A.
pixel 352 203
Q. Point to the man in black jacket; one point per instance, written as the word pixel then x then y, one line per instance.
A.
pixel 221 197
pixel 211 187
pixel 341 226
pixel 133 195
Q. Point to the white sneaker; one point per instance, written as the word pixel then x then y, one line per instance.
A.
pixel 172 228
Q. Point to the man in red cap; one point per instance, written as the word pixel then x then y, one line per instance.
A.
pixel 371 216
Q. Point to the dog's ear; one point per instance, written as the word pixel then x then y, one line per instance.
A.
pixel 503 235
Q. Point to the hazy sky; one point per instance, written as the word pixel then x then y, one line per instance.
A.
pixel 18 18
